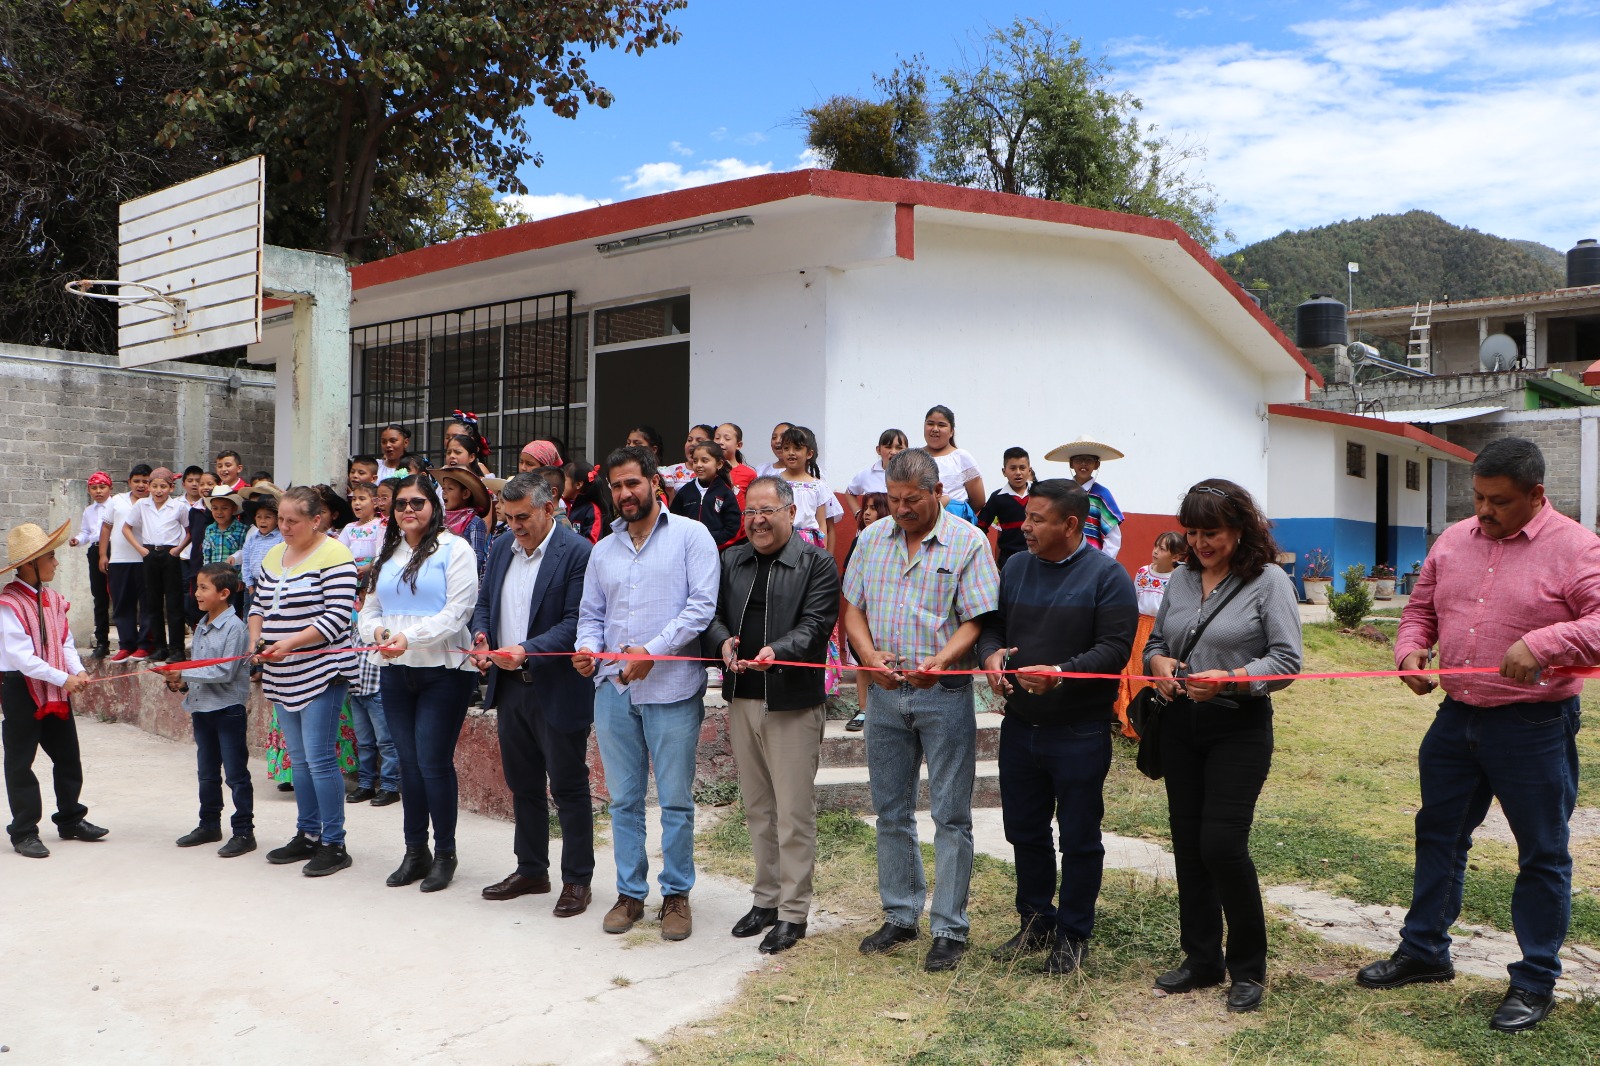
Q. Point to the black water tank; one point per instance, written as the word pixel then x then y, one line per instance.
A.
pixel 1320 322
pixel 1583 264
pixel 1254 297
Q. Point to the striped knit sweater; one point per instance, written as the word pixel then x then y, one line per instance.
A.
pixel 320 592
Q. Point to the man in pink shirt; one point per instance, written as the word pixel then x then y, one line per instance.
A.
pixel 1518 586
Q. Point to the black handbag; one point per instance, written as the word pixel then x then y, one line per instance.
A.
pixel 1144 712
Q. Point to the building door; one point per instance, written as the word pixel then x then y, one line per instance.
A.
pixel 647 384
pixel 1382 549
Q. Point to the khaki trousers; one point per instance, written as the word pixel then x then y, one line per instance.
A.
pixel 777 754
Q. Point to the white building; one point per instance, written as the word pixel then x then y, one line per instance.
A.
pixel 849 304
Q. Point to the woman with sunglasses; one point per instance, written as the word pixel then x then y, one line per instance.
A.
pixel 1229 614
pixel 424 588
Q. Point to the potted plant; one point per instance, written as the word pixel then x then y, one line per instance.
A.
pixel 1318 576
pixel 1382 579
pixel 1408 581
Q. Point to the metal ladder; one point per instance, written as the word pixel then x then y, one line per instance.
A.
pixel 1419 354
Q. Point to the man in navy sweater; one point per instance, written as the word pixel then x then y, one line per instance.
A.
pixel 1063 607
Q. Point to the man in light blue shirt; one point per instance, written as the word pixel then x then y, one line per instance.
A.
pixel 650 589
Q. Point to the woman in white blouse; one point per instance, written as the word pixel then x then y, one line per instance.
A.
pixel 424 587
pixel 958 470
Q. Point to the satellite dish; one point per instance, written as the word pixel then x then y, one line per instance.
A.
pixel 1360 352
pixel 1498 352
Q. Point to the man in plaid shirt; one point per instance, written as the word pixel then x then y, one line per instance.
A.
pixel 916 593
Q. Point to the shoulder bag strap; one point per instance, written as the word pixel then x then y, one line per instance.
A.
pixel 1200 628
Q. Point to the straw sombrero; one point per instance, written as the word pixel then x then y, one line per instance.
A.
pixel 1082 446
pixel 468 480
pixel 27 542
pixel 267 487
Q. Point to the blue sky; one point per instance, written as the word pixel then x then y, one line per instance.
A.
pixel 1483 111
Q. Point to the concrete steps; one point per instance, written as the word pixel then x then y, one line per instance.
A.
pixel 843 784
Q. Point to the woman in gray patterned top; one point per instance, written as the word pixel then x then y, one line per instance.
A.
pixel 1216 736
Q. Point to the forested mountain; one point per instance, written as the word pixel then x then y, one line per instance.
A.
pixel 1404 258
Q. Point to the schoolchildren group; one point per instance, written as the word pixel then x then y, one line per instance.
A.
pixel 569 598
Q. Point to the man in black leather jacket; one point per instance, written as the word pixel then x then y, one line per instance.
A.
pixel 779 603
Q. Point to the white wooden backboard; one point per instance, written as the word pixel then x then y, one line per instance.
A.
pixel 199 241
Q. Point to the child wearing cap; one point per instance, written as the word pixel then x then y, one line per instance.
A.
pixel 88 538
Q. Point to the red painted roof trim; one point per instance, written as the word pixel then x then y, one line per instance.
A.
pixel 666 208
pixel 1403 430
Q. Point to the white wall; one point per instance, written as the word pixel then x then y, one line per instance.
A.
pixel 1303 468
pixel 1033 342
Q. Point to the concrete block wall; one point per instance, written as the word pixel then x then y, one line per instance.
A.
pixel 1558 434
pixel 67 414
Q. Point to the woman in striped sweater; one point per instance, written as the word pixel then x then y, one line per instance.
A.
pixel 305 597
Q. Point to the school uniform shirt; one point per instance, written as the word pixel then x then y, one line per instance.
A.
pixel 89 529
pixel 956 468
pixel 118 550
pixel 436 615
pixel 319 591
pixel 1008 508
pixel 587 520
pixel 1151 588
pixel 195 505
pixel 868 480
pixel 165 524
pixel 714 506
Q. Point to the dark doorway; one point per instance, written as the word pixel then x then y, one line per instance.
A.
pixel 1381 549
pixel 642 385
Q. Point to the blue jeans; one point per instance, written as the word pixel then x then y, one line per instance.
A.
pixel 902 727
pixel 379 764
pixel 1526 756
pixel 219 742
pixel 633 739
pixel 425 707
pixel 312 734
pixel 1056 773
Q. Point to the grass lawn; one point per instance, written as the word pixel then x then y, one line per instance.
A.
pixel 1336 813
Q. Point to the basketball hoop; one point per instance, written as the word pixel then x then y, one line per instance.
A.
pixel 150 297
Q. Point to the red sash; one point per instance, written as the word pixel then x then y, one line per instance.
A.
pixel 45 621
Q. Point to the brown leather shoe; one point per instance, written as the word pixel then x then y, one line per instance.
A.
pixel 517 885
pixel 676 922
pixel 622 915
pixel 575 899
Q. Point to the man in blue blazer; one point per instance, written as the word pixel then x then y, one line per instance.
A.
pixel 528 604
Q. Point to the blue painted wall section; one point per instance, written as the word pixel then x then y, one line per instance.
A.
pixel 1348 543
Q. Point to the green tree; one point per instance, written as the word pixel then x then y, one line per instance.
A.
pixel 351 99
pixel 883 136
pixel 421 211
pixel 1029 113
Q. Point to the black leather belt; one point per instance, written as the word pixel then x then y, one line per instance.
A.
pixel 524 675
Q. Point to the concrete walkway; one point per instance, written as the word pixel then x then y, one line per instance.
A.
pixel 132 950
pixel 1482 951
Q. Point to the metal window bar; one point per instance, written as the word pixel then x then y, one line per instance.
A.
pixel 520 365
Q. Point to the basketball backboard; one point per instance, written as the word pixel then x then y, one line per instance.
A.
pixel 198 245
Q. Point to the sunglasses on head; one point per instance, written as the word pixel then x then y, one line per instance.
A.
pixel 1209 490
pixel 410 503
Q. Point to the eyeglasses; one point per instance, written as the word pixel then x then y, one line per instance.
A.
pixel 1209 490
pixel 760 512
pixel 410 503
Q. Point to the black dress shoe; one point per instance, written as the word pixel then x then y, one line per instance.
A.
pixel 516 885
pixel 200 835
pixel 887 938
pixel 101 651
pixel 441 873
pixel 1035 936
pixel 31 847
pixel 383 797
pixel 782 936
pixel 1067 956
pixel 1520 1010
pixel 359 795
pixel 1401 969
pixel 237 845
pixel 83 831
pixel 417 864
pixel 758 919
pixel 1244 996
pixel 1183 979
pixel 285 786
pixel 945 954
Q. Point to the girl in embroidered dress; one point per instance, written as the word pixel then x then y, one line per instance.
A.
pixel 1150 583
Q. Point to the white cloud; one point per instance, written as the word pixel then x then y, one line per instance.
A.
pixel 1192 12
pixel 679 148
pixel 548 205
pixel 1492 134
pixel 652 178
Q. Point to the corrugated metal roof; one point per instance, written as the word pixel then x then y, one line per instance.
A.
pixel 1435 415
